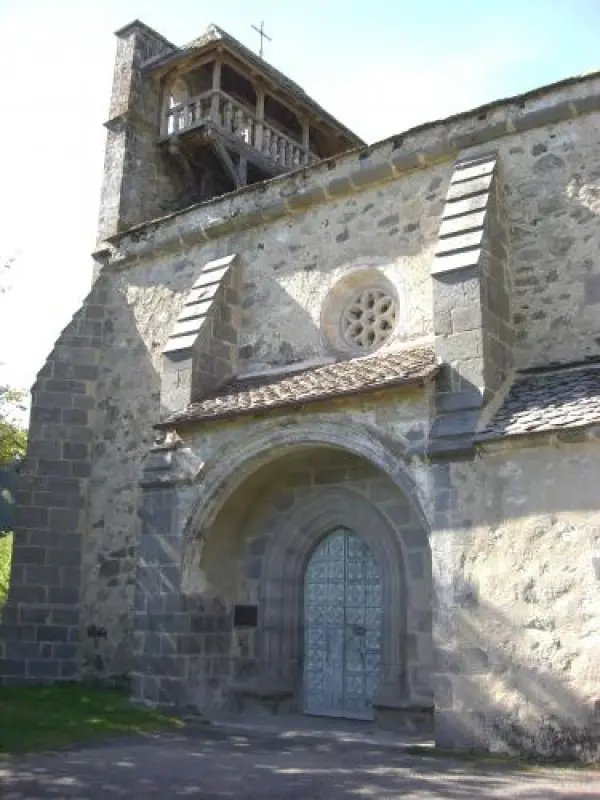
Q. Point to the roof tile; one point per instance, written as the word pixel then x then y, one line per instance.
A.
pixel 566 398
pixel 356 376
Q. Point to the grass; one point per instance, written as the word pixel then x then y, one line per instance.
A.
pixel 49 717
pixel 5 557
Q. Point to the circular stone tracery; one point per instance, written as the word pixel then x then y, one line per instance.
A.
pixel 369 318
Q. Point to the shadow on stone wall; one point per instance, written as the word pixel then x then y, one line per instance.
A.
pixel 127 405
pixel 522 706
pixel 142 313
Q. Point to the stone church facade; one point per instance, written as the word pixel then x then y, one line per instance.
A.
pixel 328 442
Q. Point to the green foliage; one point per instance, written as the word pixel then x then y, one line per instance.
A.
pixel 6 543
pixel 44 717
pixel 13 437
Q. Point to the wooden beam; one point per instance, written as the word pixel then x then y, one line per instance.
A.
pixel 216 86
pixel 305 133
pixel 243 170
pixel 227 161
pixel 260 113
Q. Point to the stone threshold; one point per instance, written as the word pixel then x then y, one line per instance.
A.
pixel 316 728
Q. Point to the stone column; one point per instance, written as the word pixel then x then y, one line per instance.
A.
pixel 137 183
pixel 161 617
pixel 181 636
pixel 473 338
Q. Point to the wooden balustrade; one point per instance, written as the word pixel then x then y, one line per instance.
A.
pixel 218 107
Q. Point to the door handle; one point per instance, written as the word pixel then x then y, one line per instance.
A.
pixel 358 630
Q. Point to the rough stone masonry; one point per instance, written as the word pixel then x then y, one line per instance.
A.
pixel 213 412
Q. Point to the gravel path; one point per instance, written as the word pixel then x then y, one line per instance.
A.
pixel 218 764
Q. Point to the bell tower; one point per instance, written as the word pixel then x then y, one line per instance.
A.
pixel 191 123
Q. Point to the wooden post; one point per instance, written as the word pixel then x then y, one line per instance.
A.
pixel 260 113
pixel 305 140
pixel 216 87
pixel 243 170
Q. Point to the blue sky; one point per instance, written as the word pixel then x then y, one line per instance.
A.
pixel 379 67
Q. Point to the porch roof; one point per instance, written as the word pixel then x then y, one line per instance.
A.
pixel 253 394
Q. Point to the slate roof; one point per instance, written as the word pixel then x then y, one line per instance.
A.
pixel 215 34
pixel 568 398
pixel 343 379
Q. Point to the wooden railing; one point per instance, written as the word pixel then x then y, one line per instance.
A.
pixel 218 107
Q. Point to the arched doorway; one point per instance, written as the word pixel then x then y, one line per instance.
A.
pixel 253 554
pixel 342 627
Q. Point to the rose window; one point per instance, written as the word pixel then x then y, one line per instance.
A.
pixel 368 320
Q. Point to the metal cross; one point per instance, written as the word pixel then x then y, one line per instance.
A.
pixel 262 35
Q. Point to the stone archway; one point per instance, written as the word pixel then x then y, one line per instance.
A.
pixel 227 533
pixel 224 473
pixel 251 538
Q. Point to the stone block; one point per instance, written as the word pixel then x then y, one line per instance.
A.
pixel 63 520
pixel 180 346
pixel 28 555
pixel 47 668
pixel 460 346
pixel 416 565
pixel 69 669
pixel 413 537
pixel 456 401
pixel 592 290
pixel 471 221
pixel 194 311
pixel 338 186
pixel 31 517
pixel 75 451
pixel 473 168
pixel 64 651
pixel 469 205
pixel 459 242
pixel 456 424
pixel 468 188
pixel 74 416
pixel 12 666
pixel 305 198
pixel 371 173
pixel 53 467
pixel 70 577
pixel 186 327
pixel 52 633
pixel 448 262
pixel 27 593
pixel 466 319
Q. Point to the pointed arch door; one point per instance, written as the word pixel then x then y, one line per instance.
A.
pixel 342 627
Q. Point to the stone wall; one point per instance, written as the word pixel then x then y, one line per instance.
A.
pixel 520 668
pixel 552 185
pixel 325 223
pixel 42 619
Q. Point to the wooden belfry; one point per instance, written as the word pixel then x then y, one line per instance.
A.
pixel 230 119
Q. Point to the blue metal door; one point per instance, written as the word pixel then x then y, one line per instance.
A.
pixel 342 627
